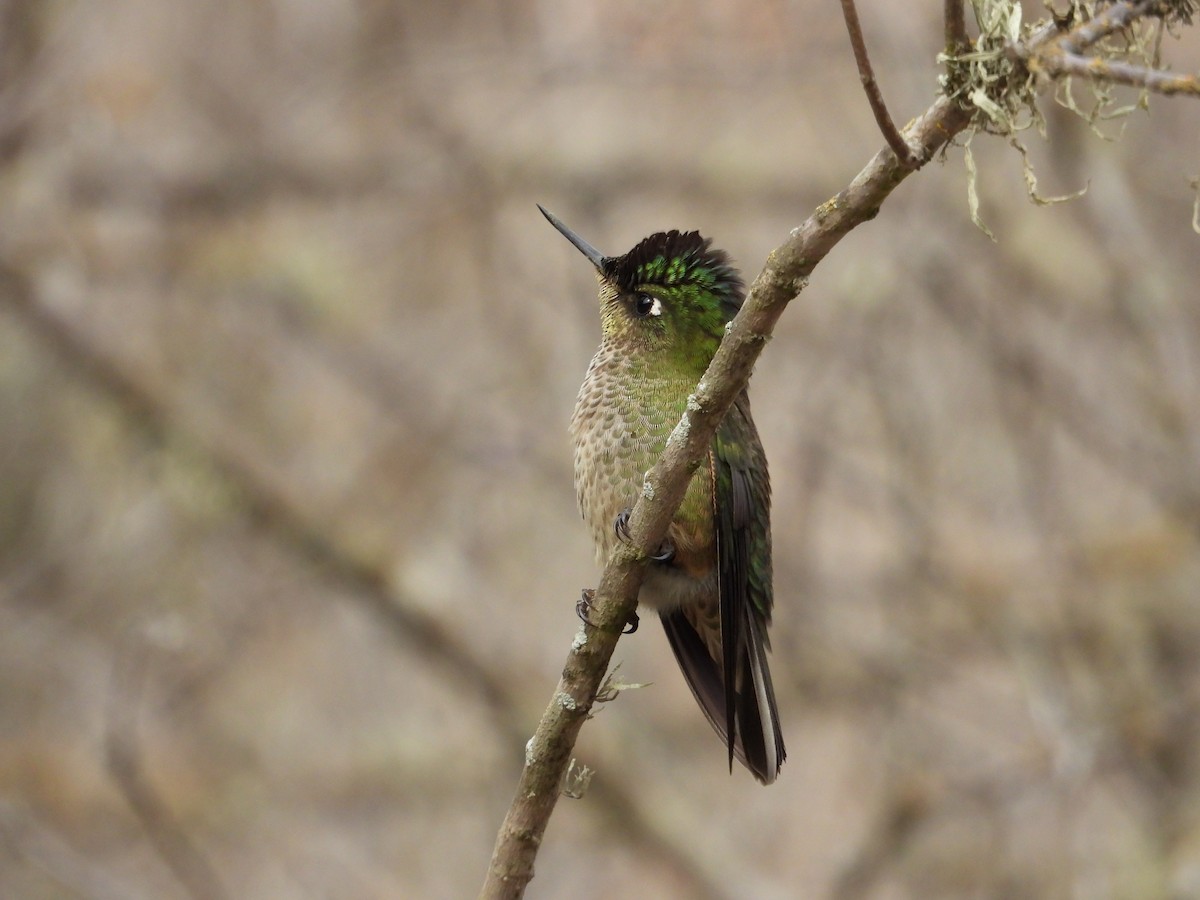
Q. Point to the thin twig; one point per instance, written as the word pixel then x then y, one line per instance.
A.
pixel 1063 63
pixel 895 140
pixel 1108 21
pixel 956 28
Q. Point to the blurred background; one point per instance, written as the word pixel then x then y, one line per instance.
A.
pixel 289 551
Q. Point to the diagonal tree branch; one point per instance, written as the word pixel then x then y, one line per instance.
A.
pixel 784 276
pixel 548 753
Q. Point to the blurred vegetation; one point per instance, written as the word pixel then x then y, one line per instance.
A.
pixel 287 527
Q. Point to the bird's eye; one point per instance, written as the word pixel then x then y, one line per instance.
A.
pixel 646 305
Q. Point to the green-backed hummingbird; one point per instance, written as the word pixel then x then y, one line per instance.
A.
pixel 663 310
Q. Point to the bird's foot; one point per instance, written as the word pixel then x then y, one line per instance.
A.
pixel 666 550
pixel 584 607
pixel 621 525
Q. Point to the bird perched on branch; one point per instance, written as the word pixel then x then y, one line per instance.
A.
pixel 663 310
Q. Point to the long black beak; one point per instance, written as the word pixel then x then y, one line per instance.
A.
pixel 596 257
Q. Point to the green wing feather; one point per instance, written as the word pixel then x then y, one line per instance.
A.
pixel 741 515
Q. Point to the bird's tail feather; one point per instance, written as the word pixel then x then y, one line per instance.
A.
pixel 758 740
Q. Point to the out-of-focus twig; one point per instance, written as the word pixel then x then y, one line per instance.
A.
pixel 904 810
pixel 266 503
pixel 906 153
pixel 123 756
pixel 25 838
pixel 1152 468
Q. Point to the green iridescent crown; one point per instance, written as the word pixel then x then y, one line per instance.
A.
pixel 678 259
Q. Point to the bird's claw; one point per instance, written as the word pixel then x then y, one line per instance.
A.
pixel 666 550
pixel 621 525
pixel 584 606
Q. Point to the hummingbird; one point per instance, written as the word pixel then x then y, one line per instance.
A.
pixel 663 310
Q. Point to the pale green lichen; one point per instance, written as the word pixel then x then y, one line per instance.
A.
pixel 576 780
pixel 998 80
pixel 973 188
pixel 611 687
pixel 680 432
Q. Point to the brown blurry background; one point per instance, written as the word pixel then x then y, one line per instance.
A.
pixel 288 542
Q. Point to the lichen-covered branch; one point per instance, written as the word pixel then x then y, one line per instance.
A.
pixel 1063 56
pixel 1062 64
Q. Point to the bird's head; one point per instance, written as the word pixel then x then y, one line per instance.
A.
pixel 670 296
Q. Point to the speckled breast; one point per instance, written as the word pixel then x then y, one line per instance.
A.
pixel 622 419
